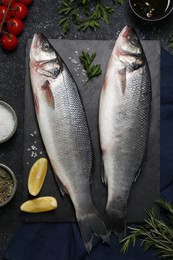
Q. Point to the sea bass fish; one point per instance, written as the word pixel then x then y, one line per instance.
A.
pixel 65 133
pixel 124 119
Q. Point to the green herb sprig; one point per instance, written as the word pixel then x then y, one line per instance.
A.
pixel 91 70
pixel 67 12
pixel 80 13
pixel 154 233
pixel 170 40
pixel 119 2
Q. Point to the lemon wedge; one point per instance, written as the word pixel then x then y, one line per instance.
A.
pixel 41 204
pixel 37 176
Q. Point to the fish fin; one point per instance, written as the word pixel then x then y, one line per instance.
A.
pixel 122 77
pixel 61 187
pixel 103 176
pixel 141 167
pixel 90 225
pixel 36 103
pixel 48 93
pixel 138 173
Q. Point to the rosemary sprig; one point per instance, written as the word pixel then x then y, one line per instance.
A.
pixel 119 1
pixel 81 13
pixel 154 233
pixel 91 70
pixel 170 40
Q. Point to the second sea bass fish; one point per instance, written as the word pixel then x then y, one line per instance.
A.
pixel 65 133
pixel 124 119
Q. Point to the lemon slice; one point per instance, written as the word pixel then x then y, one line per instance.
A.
pixel 41 204
pixel 37 175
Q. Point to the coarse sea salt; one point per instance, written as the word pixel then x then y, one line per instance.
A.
pixel 33 149
pixel 7 123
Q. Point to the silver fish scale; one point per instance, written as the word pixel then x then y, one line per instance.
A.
pixel 73 143
pixel 131 128
pixel 65 133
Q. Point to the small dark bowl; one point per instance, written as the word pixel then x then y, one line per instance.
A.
pixel 13 113
pixel 163 12
pixel 13 177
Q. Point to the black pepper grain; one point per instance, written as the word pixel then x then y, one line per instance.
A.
pixel 6 185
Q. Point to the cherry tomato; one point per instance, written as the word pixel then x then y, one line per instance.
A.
pixel 25 2
pixel 19 10
pixel 3 10
pixel 6 2
pixel 9 41
pixel 15 26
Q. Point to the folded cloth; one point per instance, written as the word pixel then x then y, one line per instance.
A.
pixel 166 126
pixel 54 241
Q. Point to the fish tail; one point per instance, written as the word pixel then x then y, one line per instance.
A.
pixel 116 224
pixel 115 220
pixel 91 224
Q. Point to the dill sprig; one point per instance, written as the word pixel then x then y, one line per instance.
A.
pixel 154 233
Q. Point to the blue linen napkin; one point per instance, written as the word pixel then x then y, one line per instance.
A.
pixel 55 241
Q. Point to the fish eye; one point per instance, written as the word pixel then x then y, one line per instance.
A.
pixel 45 46
pixel 134 41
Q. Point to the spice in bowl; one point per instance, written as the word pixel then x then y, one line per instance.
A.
pixel 8 122
pixel 7 184
pixel 151 10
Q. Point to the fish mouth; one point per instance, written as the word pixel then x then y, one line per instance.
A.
pixel 128 43
pixel 37 65
pixel 35 43
pixel 37 40
pixel 127 31
pixel 46 65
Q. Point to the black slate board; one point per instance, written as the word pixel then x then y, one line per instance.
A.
pixel 146 189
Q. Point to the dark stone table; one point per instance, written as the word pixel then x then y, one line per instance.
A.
pixel 43 17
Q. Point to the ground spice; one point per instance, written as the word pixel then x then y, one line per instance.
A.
pixel 6 185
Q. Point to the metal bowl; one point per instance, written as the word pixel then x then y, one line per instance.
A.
pixel 14 116
pixel 13 178
pixel 151 10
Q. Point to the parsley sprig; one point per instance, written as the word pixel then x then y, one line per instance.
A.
pixel 154 233
pixel 80 13
pixel 67 12
pixel 91 70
